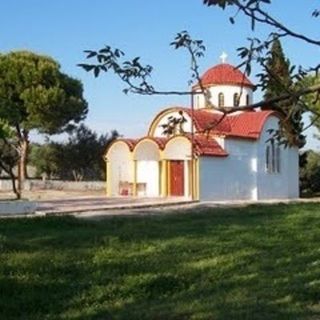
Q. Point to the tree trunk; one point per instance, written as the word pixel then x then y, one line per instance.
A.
pixel 16 191
pixel 24 146
pixel 9 171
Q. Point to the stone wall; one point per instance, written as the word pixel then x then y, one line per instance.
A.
pixel 5 185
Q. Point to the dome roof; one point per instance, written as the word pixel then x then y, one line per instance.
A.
pixel 225 73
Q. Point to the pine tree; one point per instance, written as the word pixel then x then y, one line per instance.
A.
pixel 277 74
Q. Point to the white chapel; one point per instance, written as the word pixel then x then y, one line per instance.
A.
pixel 235 160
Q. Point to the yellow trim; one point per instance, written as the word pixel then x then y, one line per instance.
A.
pixel 108 179
pixel 168 178
pixel 193 196
pixel 198 180
pixel 195 181
pixel 134 186
pixel 190 178
pixel 164 183
pixel 159 178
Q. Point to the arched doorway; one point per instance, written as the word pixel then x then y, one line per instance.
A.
pixel 146 156
pixel 120 173
pixel 177 154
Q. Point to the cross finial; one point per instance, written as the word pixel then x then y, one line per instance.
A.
pixel 223 57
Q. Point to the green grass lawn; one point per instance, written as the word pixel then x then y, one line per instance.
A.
pixel 260 262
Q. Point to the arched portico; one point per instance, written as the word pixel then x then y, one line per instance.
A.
pixel 151 167
pixel 120 170
pixel 147 167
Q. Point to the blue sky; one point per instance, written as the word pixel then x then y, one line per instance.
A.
pixel 64 28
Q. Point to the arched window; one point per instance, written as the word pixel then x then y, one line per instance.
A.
pixel 247 100
pixel 221 99
pixel 236 99
pixel 273 158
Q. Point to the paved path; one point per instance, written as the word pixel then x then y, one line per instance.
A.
pixel 92 204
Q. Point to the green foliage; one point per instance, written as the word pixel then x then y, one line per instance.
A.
pixel 277 71
pixel 5 130
pixel 277 81
pixel 133 73
pixel 9 155
pixel 312 100
pixel 46 158
pixel 256 262
pixel 174 125
pixel 35 94
pixel 80 158
pixel 310 172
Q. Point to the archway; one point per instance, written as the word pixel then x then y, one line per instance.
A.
pixel 146 156
pixel 120 170
pixel 177 155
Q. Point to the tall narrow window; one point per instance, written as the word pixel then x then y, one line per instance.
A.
pixel 236 99
pixel 221 99
pixel 268 160
pixel 278 166
pixel 247 100
pixel 273 158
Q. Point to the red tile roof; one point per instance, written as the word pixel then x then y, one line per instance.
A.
pixel 204 118
pixel 244 125
pixel 227 74
pixel 247 124
pixel 202 145
pixel 208 146
pixel 161 142
pixel 130 142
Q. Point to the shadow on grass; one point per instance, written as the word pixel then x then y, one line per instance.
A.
pixel 259 262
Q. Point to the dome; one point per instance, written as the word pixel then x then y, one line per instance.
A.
pixel 225 74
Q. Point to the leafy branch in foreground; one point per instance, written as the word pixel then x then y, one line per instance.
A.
pixel 137 75
pixel 134 73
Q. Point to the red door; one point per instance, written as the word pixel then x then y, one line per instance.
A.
pixel 176 178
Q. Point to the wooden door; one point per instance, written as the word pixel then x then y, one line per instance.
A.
pixel 176 178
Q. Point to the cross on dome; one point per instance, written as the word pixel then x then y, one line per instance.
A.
pixel 223 57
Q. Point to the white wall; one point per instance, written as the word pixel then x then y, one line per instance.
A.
pixel 228 91
pixel 232 177
pixel 148 173
pixel 243 176
pixel 148 155
pixel 277 185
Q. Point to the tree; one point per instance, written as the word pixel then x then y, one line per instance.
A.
pixel 46 158
pixel 9 157
pixel 312 100
pixel 83 154
pixel 278 82
pixel 35 94
pixel 80 158
pixel 136 75
pixel 310 172
pixel 277 73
